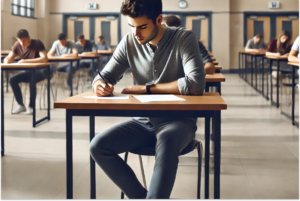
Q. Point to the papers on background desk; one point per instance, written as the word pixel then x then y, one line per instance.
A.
pixel 156 98
pixel 209 74
pixel 116 97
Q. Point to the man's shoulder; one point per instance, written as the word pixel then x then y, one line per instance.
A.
pixel 56 43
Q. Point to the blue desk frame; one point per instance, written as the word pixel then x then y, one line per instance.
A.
pixel 207 114
pixel 34 121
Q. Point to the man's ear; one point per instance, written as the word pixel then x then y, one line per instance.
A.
pixel 159 20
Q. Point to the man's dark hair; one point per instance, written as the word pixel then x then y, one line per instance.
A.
pixel 173 21
pixel 137 8
pixel 62 36
pixel 23 33
pixel 80 36
pixel 260 36
pixel 101 37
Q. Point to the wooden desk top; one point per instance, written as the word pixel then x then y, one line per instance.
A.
pixel 217 77
pixel 277 57
pixel 293 64
pixel 253 53
pixel 5 52
pixel 105 52
pixel 208 101
pixel 216 63
pixel 218 68
pixel 89 56
pixel 64 58
pixel 24 65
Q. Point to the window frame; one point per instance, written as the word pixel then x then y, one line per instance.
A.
pixel 19 6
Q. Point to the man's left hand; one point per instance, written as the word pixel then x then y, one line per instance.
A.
pixel 135 89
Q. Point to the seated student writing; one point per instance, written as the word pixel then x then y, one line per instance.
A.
pixel 30 51
pixel 164 60
pixel 102 44
pixel 256 44
pixel 86 48
pixel 280 46
pixel 294 54
pixel 64 48
pixel 174 21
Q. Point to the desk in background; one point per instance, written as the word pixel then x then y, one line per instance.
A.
pixel 66 59
pixel 278 59
pixel 33 67
pixel 295 66
pixel 207 106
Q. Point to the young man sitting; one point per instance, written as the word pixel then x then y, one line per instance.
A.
pixel 30 51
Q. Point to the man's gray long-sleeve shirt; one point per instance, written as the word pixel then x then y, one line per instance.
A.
pixel 177 57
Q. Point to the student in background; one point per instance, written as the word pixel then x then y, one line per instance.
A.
pixel 294 54
pixel 86 48
pixel 256 44
pixel 102 45
pixel 64 48
pixel 30 51
pixel 280 46
pixel 174 21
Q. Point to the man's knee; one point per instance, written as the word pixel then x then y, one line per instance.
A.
pixel 99 146
pixel 13 80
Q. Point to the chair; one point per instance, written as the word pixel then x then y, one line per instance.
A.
pixel 150 151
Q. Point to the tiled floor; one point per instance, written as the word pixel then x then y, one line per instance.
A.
pixel 260 153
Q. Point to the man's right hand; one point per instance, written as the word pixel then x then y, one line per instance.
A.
pixel 101 89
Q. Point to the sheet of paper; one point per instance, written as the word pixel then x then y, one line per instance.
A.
pixel 209 74
pixel 116 97
pixel 156 98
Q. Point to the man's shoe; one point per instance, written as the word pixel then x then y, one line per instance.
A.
pixel 29 110
pixel 20 108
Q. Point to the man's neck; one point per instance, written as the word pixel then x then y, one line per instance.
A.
pixel 159 36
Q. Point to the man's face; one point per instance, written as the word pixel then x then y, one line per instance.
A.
pixel 143 28
pixel 256 40
pixel 24 42
pixel 81 41
pixel 63 42
pixel 101 41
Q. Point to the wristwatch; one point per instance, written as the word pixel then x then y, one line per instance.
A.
pixel 148 85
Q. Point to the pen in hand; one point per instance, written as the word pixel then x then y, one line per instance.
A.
pixel 103 80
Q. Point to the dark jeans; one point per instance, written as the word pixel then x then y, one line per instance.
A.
pixel 70 71
pixel 88 64
pixel 169 139
pixel 26 76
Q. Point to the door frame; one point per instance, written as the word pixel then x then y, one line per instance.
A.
pixel 183 16
pixel 92 21
pixel 272 16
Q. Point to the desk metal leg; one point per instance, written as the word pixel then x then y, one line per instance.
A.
pixel 71 69
pixel 251 57
pixel 262 76
pixel 217 153
pixel 255 58
pixel 7 77
pixel 2 115
pixel 207 157
pixel 69 156
pixel 293 95
pixel 240 64
pixel 92 162
pixel 219 87
pixel 33 94
pixel 277 80
pixel 48 92
pixel 271 81
pixel 246 71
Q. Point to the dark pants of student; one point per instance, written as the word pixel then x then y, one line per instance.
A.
pixel 70 71
pixel 26 77
pixel 168 139
pixel 88 64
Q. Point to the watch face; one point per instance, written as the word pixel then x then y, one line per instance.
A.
pixel 182 4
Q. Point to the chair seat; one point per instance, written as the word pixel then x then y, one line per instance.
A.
pixel 150 151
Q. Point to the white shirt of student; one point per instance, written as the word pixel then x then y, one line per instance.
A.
pixel 296 45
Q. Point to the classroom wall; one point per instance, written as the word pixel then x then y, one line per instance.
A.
pixel 237 7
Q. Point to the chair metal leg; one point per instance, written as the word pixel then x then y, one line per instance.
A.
pixel 142 170
pixel 200 155
pixel 125 159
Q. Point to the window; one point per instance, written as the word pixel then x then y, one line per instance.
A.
pixel 22 7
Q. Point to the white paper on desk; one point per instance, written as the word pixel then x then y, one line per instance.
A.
pixel 156 98
pixel 116 97
pixel 209 74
